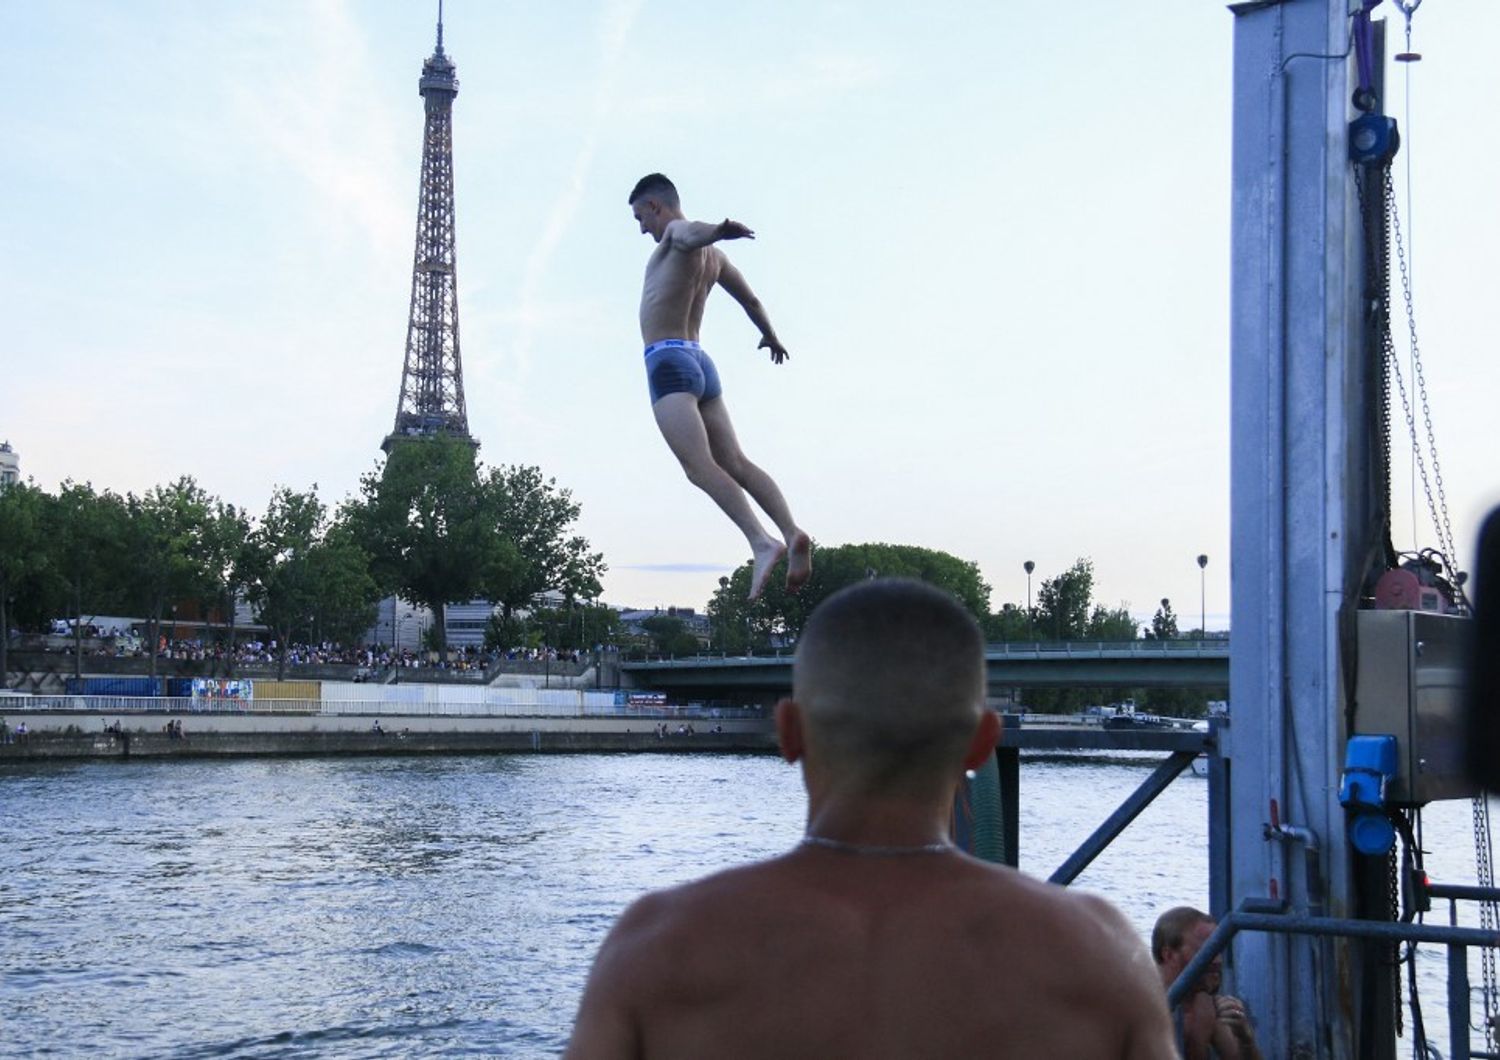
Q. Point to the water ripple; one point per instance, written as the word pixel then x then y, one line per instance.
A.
pixel 352 908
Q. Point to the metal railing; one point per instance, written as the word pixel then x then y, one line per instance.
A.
pixel 95 706
pixel 1211 648
pixel 1207 648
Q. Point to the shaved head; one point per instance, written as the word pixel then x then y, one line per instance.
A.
pixel 889 675
pixel 654 186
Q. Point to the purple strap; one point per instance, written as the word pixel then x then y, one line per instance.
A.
pixel 1364 44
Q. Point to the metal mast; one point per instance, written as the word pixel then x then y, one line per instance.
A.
pixel 431 401
pixel 1302 527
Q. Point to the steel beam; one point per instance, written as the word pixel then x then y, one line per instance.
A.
pixel 1126 812
pixel 1299 488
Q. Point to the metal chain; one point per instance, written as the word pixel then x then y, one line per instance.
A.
pixel 1378 308
pixel 1437 506
pixel 1441 525
pixel 1485 874
pixel 1392 878
pixel 1394 367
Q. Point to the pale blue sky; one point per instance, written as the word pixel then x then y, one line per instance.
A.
pixel 993 236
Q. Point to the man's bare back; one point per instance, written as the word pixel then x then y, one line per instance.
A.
pixel 684 383
pixel 825 953
pixel 874 937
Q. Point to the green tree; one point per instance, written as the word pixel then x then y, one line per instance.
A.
pixel 164 530
pixel 1064 601
pixel 440 528
pixel 669 635
pixel 1163 623
pixel 344 594
pixel 23 562
pixel 1008 624
pixel 571 627
pixel 284 593
pixel 85 534
pixel 781 615
pixel 503 633
pixel 597 624
pixel 535 517
pixel 429 528
pixel 1112 624
pixel 231 563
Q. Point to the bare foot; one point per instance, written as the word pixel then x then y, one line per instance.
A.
pixel 799 564
pixel 766 558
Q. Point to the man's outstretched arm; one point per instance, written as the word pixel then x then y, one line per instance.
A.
pixel 695 235
pixel 734 282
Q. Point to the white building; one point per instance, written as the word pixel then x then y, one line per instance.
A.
pixel 466 623
pixel 400 625
pixel 10 465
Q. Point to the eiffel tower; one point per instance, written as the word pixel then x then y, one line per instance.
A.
pixel 431 401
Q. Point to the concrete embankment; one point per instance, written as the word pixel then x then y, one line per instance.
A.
pixel 73 735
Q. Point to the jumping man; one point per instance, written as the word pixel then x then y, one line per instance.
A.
pixel 685 394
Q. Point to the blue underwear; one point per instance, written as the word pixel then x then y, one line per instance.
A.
pixel 679 366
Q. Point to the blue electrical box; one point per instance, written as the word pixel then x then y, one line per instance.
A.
pixel 1369 765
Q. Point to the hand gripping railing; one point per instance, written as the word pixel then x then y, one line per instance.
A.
pixel 1260 914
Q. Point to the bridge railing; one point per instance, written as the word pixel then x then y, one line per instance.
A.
pixel 1210 647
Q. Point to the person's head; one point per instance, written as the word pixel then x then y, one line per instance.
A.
pixel 1176 939
pixel 654 203
pixel 888 690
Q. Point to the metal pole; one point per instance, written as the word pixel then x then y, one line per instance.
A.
pixel 1202 597
pixel 1030 614
pixel 1461 891
pixel 1458 1003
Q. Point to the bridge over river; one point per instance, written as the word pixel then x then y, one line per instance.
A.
pixel 1124 664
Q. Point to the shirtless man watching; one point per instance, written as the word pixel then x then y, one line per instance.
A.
pixel 1208 1025
pixel 685 393
pixel 875 937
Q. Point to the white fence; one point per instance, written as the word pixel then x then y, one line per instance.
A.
pixel 575 705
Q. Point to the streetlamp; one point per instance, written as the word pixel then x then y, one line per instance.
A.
pixel 1202 598
pixel 1030 614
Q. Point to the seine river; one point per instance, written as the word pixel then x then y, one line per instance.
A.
pixel 443 906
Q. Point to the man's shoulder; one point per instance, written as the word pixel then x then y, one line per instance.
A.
pixel 663 928
pixel 1070 918
pixel 669 241
pixel 661 909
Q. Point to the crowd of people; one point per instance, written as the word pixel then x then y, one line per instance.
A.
pixel 108 642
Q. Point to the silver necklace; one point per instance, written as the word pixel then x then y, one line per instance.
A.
pixel 876 850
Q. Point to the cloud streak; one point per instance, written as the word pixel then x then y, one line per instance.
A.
pixel 345 145
pixel 615 25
